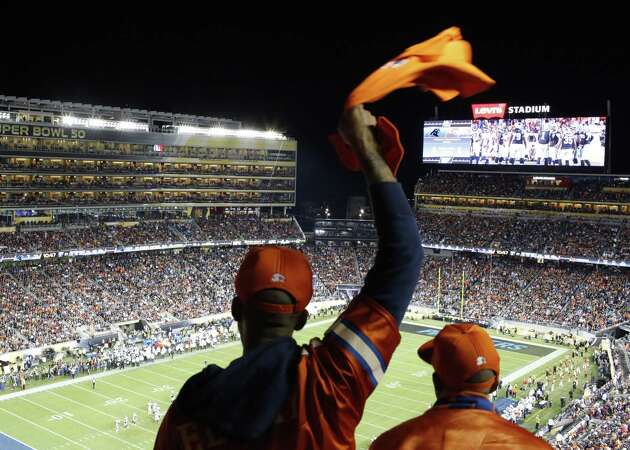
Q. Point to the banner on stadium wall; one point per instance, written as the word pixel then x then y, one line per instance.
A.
pixel 158 140
pixel 22 257
pixel 140 248
pixel 489 251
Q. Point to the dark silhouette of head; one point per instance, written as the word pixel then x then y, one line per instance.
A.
pixel 464 359
pixel 273 287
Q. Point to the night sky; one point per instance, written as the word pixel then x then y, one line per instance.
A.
pixel 295 80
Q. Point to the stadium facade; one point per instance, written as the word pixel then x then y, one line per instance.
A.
pixel 69 158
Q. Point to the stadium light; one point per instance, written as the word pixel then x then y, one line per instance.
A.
pixel 219 131
pixel 94 122
pixel 72 121
pixel 187 129
pixel 126 125
pixel 97 123
pixel 4 115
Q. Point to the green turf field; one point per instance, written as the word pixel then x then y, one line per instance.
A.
pixel 75 416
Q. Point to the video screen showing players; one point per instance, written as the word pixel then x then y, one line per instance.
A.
pixel 567 141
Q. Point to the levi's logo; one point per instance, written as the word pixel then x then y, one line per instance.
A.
pixel 489 110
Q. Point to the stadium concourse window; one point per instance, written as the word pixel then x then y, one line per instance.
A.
pixel 99 196
pixel 147 150
pixel 598 195
pixel 201 169
pixel 89 182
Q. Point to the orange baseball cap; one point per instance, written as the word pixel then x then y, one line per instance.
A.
pixel 273 267
pixel 388 138
pixel 458 352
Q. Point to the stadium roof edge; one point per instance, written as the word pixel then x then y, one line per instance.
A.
pixel 9 103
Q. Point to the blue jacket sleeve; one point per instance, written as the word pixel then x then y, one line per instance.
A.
pixel 394 275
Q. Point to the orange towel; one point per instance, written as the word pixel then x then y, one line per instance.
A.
pixel 441 65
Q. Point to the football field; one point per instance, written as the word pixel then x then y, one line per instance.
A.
pixel 71 415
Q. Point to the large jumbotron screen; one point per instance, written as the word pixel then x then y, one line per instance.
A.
pixel 560 142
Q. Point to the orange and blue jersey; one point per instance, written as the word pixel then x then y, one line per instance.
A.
pixel 465 422
pixel 283 396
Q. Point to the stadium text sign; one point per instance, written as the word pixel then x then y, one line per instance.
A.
pixel 529 109
pixel 489 110
pixel 276 149
pixel 39 131
pixel 498 110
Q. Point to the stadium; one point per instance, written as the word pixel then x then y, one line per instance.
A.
pixel 122 230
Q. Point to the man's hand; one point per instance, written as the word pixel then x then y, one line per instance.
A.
pixel 357 126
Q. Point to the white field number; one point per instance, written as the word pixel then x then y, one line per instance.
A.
pixel 163 388
pixel 61 416
pixel 421 373
pixel 115 401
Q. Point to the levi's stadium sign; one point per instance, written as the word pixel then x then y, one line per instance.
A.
pixel 529 109
pixel 489 110
pixel 498 110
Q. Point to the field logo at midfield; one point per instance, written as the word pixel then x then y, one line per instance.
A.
pixel 500 344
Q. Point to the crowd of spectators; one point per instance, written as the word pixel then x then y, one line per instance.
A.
pixel 137 348
pixel 600 418
pixel 95 235
pixel 553 236
pixel 54 301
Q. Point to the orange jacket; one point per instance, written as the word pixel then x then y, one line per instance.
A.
pixel 442 427
pixel 333 379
